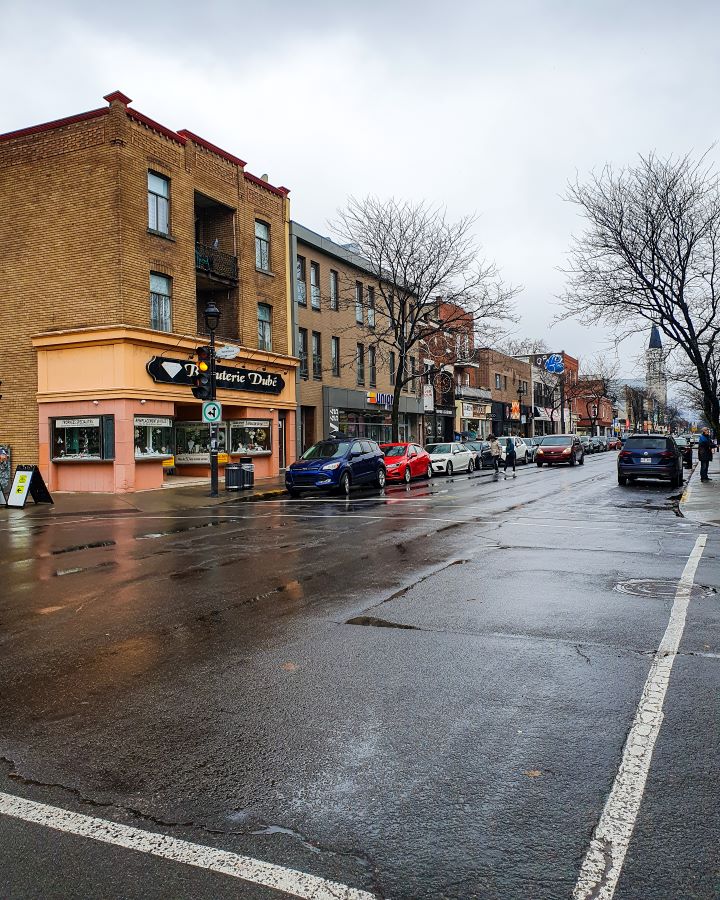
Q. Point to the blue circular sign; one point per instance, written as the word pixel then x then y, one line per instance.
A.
pixel 554 364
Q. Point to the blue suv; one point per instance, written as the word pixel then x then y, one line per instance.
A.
pixel 336 464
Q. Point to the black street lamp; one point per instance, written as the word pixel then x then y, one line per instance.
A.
pixel 521 394
pixel 212 320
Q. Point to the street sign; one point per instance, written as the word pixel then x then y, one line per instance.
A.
pixel 212 412
pixel 229 351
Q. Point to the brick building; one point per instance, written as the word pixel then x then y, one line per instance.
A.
pixel 117 231
pixel 346 378
pixel 506 381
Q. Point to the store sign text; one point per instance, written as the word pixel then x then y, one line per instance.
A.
pixel 178 371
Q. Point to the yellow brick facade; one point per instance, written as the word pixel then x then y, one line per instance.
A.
pixel 77 251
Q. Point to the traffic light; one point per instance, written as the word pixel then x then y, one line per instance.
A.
pixel 203 378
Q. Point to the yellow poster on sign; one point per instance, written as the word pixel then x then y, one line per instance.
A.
pixel 223 459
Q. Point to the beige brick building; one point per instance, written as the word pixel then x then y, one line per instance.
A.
pixel 345 378
pixel 116 232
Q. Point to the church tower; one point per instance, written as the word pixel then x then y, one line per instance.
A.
pixel 655 376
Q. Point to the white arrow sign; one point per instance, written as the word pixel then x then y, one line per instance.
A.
pixel 211 412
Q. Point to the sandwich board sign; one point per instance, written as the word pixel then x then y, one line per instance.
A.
pixel 28 480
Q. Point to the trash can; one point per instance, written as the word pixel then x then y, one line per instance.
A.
pixel 234 477
pixel 248 468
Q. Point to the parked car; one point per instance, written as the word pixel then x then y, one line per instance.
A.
pixel 650 456
pixel 686 448
pixel 483 456
pixel 602 442
pixel 532 444
pixel 337 465
pixel 614 443
pixel 404 462
pixel 560 448
pixel 588 444
pixel 520 449
pixel 450 457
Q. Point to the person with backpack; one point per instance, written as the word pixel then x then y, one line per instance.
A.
pixel 510 455
pixel 496 453
pixel 705 453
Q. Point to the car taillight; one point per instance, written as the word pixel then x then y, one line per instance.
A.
pixel 626 454
pixel 667 454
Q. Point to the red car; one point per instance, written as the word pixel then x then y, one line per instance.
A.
pixel 406 461
pixel 614 443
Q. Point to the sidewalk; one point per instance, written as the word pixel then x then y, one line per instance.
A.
pixel 182 497
pixel 701 501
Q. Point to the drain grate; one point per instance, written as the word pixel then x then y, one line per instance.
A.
pixel 659 588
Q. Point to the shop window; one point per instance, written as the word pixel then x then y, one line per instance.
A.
pixel 315 285
pixel 83 439
pixel 158 203
pixel 251 437
pixel 372 366
pixel 303 351
pixel 498 382
pixel 160 302
pixel 334 292
pixel 316 354
pixel 262 246
pixel 192 442
pixel 153 437
pixel 300 284
pixel 335 355
pixel 264 326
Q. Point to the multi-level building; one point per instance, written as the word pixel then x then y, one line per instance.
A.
pixel 116 232
pixel 503 392
pixel 346 374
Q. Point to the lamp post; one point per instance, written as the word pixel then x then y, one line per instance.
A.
pixel 521 394
pixel 212 319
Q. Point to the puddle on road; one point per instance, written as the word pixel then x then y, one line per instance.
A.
pixel 77 547
pixel 379 623
pixel 659 588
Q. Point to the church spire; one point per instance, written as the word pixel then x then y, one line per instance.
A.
pixel 655 342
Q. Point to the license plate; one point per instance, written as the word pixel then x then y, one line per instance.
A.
pixel 647 461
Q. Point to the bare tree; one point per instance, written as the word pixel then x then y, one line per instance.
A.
pixel 523 346
pixel 595 386
pixel 650 253
pixel 419 258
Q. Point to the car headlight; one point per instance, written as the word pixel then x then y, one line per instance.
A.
pixel 329 466
pixel 566 450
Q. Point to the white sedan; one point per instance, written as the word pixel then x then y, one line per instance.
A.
pixel 521 450
pixel 450 457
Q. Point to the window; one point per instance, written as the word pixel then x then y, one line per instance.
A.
pixel 413 371
pixel 334 293
pixel 371 307
pixel 316 355
pixel 359 302
pixel 160 303
pixel 372 365
pixel 264 326
pixel 498 382
pixel 158 203
pixel 391 366
pixel 303 352
pixel 301 286
pixel 315 285
pixel 262 246
pixel 335 355
pixel 81 439
pixel 251 436
pixel 153 437
pixel 192 442
pixel 505 382
pixel 360 364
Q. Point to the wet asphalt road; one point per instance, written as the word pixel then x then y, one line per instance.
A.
pixel 228 676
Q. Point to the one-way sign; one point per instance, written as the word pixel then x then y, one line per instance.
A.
pixel 211 412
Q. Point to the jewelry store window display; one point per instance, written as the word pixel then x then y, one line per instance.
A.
pixel 251 437
pixel 79 439
pixel 192 442
pixel 153 437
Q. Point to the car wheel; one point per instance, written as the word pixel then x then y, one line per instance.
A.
pixel 539 464
pixel 380 479
pixel 407 475
pixel 679 481
pixel 449 469
pixel 344 486
pixel 428 474
pixel 581 461
pixel 622 480
pixel 471 466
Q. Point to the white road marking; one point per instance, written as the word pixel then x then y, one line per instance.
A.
pixel 601 868
pixel 288 881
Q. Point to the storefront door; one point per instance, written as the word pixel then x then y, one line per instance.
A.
pixel 281 439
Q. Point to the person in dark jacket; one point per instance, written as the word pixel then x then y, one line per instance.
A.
pixel 704 453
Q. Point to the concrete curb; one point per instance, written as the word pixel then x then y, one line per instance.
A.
pixel 688 513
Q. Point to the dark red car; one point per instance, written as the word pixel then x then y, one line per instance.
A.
pixel 404 462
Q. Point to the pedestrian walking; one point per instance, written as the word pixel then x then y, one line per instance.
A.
pixel 510 455
pixel 705 453
pixel 496 453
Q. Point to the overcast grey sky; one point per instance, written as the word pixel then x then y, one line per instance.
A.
pixel 483 107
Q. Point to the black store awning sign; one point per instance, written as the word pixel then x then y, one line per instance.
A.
pixel 182 371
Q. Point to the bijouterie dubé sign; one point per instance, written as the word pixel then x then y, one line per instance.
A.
pixel 182 371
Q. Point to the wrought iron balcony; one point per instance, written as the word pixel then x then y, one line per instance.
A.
pixel 216 263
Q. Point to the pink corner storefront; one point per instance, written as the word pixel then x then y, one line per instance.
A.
pixel 116 411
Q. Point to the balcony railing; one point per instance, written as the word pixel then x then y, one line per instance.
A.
pixel 215 262
pixel 465 392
